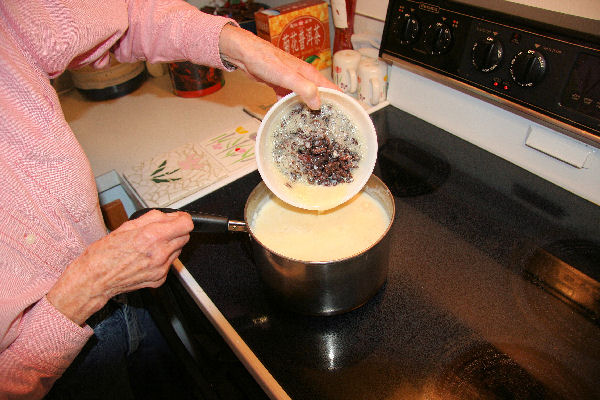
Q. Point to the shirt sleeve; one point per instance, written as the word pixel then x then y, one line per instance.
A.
pixel 46 345
pixel 162 31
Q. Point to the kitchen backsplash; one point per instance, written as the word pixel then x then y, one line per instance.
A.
pixel 369 11
pixel 368 19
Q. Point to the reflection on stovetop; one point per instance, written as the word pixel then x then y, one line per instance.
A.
pixel 482 371
pixel 561 268
pixel 463 314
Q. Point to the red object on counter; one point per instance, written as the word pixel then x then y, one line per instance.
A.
pixel 341 38
pixel 191 80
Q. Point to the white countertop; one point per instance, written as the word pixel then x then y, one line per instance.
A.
pixel 118 133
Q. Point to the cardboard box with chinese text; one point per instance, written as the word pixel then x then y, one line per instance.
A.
pixel 300 28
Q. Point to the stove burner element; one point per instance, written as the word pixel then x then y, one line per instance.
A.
pixel 409 170
pixel 483 372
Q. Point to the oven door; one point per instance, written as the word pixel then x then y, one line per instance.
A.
pixel 214 370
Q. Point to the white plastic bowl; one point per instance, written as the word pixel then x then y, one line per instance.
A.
pixel 316 197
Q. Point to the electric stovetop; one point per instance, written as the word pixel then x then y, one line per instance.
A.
pixel 492 289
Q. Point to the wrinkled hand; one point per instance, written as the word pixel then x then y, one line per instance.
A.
pixel 136 255
pixel 269 64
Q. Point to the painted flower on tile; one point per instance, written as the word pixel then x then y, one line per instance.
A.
pixel 161 175
pixel 192 161
pixel 241 130
pixel 217 146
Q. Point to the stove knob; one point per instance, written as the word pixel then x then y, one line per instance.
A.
pixel 406 28
pixel 438 38
pixel 528 67
pixel 487 54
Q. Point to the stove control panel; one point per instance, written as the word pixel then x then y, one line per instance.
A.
pixel 538 70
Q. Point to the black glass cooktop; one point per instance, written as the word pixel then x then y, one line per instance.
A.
pixel 492 290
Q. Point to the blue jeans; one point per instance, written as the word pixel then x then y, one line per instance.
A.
pixel 127 358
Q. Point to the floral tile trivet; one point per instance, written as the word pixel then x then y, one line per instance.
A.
pixel 184 171
pixel 169 177
pixel 234 148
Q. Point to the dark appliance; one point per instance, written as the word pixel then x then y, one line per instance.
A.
pixel 542 64
pixel 490 294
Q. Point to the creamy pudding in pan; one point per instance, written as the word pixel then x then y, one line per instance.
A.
pixel 311 235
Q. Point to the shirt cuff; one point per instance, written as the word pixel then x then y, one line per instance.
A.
pixel 209 29
pixel 51 340
pixel 228 65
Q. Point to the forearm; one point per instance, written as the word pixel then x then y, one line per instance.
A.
pixel 74 296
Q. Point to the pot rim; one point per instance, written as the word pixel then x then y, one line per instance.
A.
pixel 319 263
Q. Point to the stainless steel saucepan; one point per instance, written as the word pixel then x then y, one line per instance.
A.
pixel 308 287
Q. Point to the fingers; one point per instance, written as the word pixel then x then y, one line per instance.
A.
pixel 164 226
pixel 166 266
pixel 310 95
pixel 162 236
pixel 156 253
pixel 303 78
pixel 139 254
pixel 178 221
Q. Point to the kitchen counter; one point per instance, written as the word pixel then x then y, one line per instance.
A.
pixel 133 128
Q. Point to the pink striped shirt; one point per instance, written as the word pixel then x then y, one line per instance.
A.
pixel 49 210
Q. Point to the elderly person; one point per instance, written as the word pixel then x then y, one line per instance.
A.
pixel 58 264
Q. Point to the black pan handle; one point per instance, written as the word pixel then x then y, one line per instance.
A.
pixel 202 222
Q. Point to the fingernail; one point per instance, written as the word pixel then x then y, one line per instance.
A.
pixel 314 104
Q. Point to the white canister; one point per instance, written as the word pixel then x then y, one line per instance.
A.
pixel 369 52
pixel 372 81
pixel 345 66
